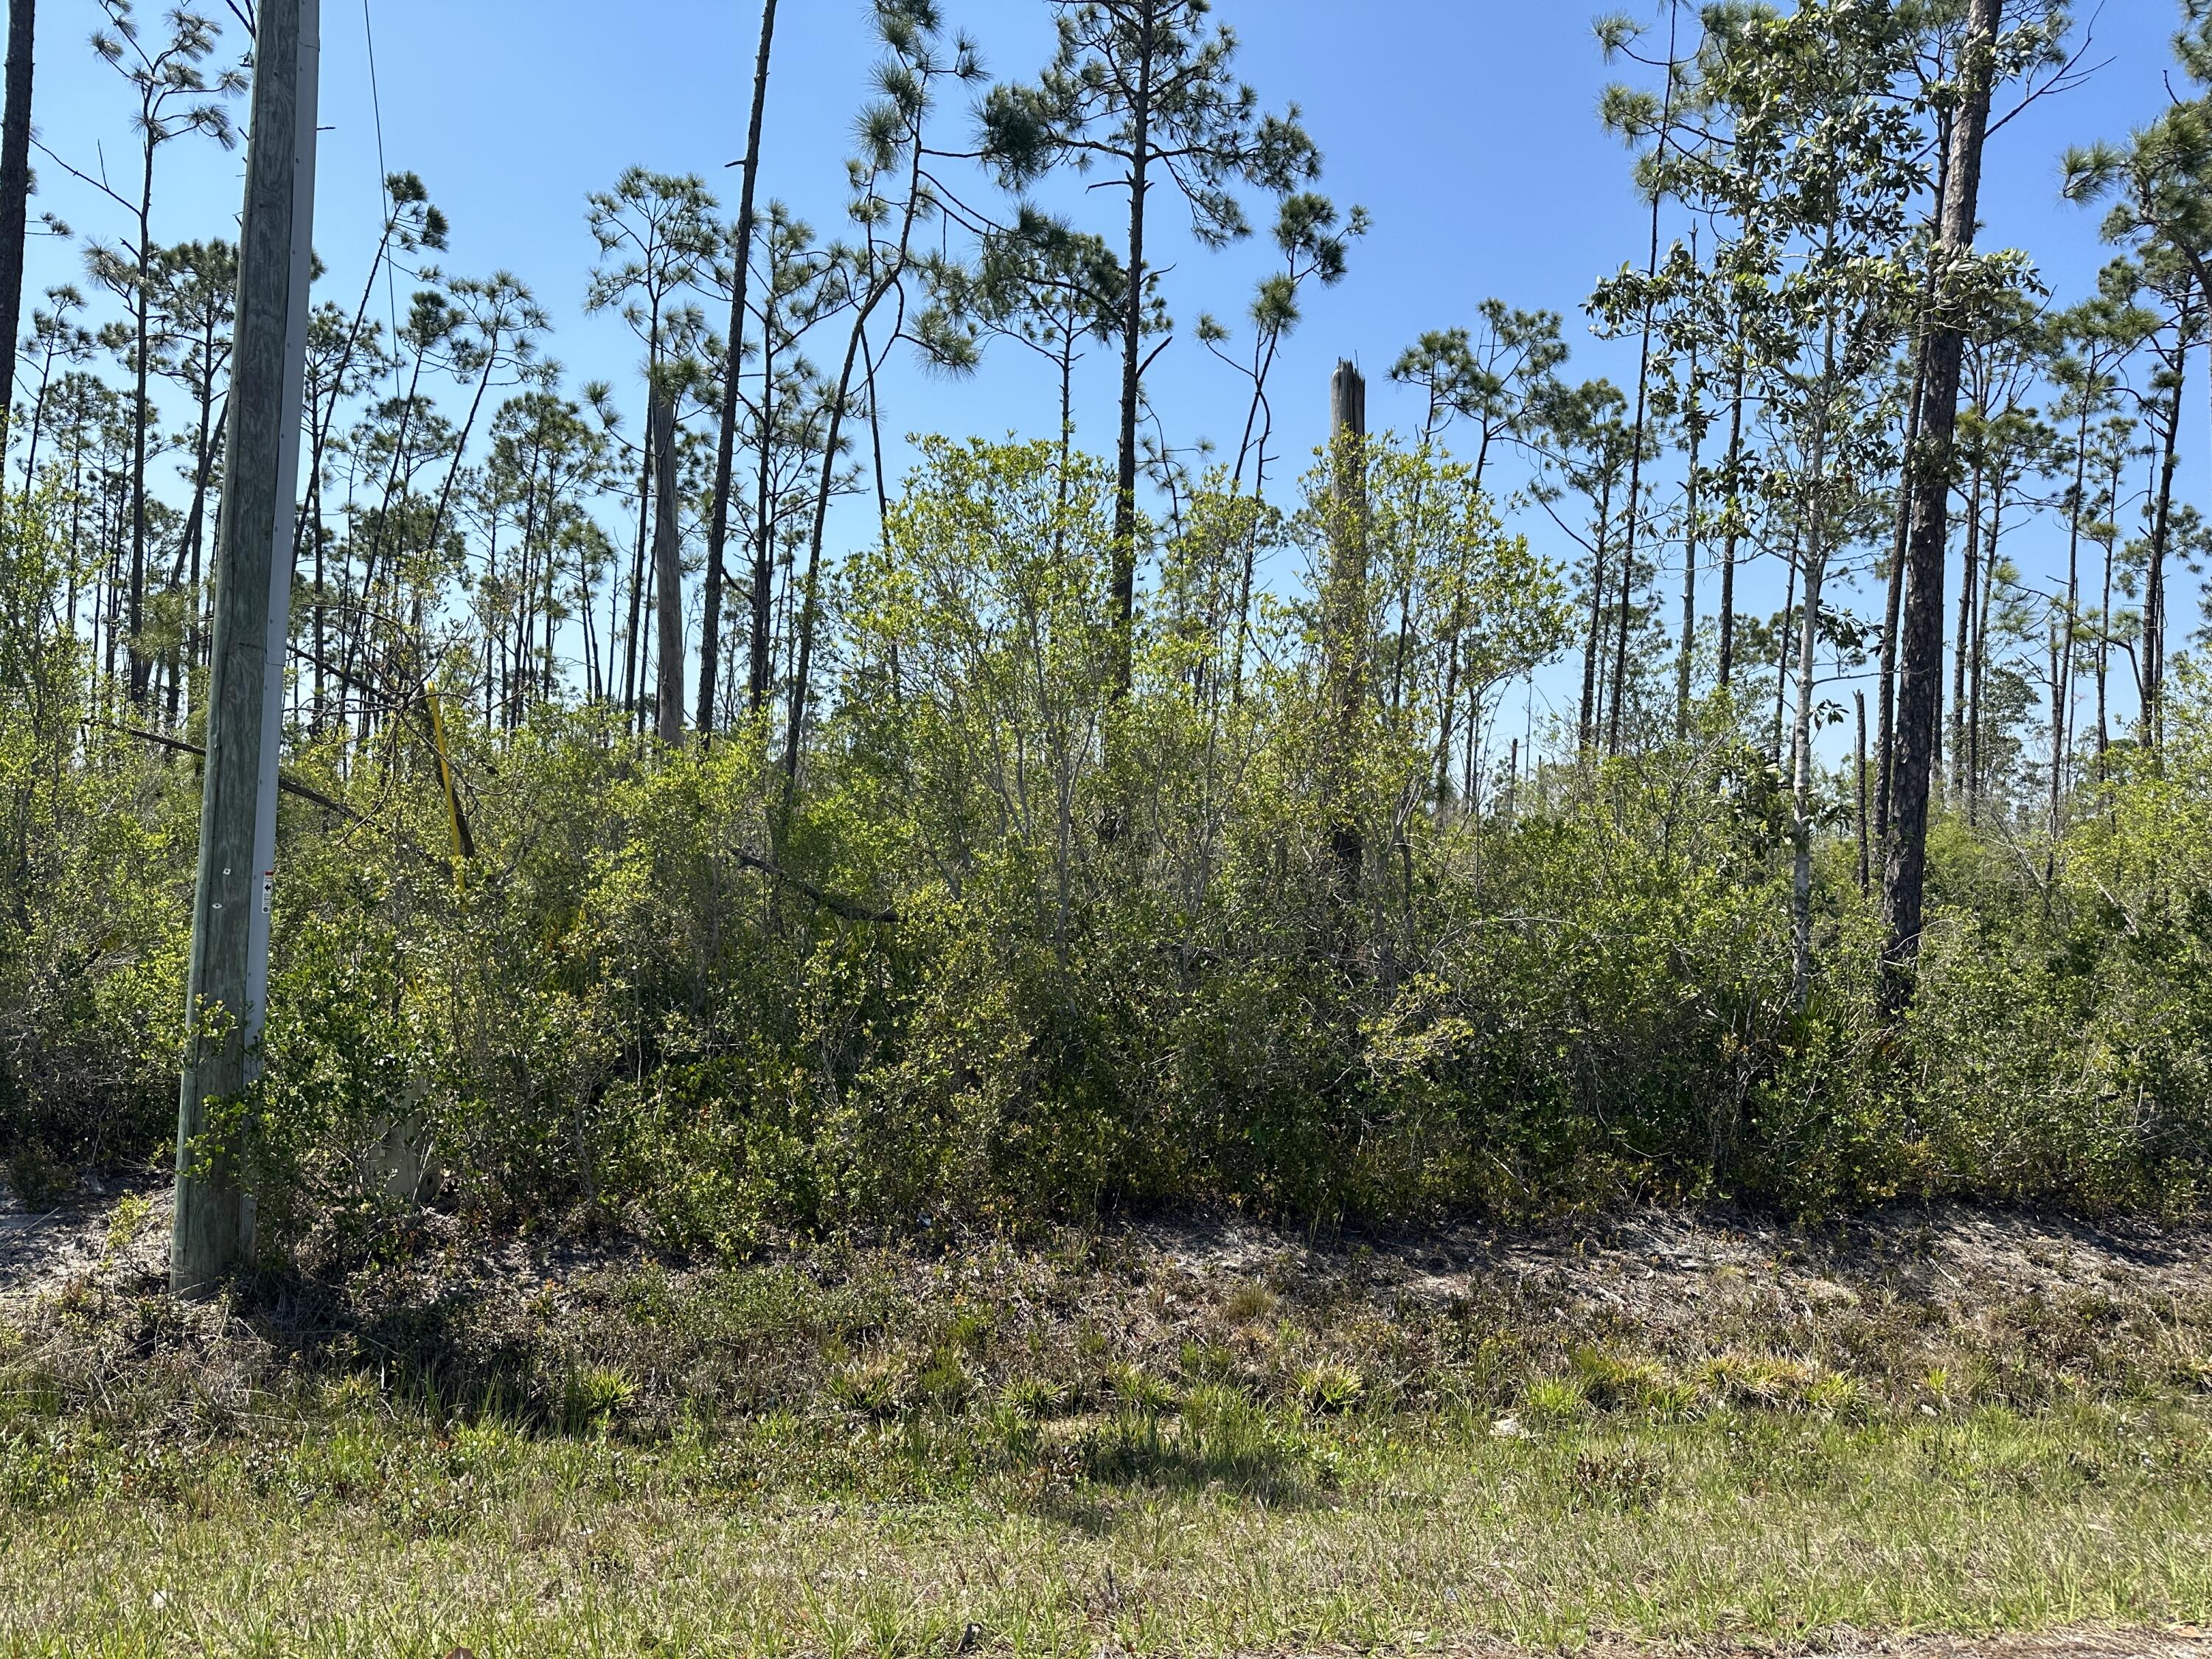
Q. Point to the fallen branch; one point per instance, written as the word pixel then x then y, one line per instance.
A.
pixel 283 783
pixel 848 908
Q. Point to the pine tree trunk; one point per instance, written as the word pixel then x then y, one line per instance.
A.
pixel 1344 615
pixel 2104 639
pixel 885 282
pixel 1627 603
pixel 1586 726
pixel 2062 690
pixel 634 667
pixel 1643 415
pixel 726 454
pixel 1983 603
pixel 668 577
pixel 1886 737
pixel 1124 572
pixel 1802 778
pixel 2161 538
pixel 1920 684
pixel 1686 663
pixel 760 649
pixel 1726 670
pixel 1963 643
pixel 1865 824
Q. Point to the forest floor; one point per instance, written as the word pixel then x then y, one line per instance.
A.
pixel 1927 1433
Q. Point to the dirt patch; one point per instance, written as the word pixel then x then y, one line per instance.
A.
pixel 1938 1307
pixel 2105 1644
pixel 1667 1270
pixel 1670 1271
pixel 112 1232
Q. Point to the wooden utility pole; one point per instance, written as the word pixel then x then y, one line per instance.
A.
pixel 232 898
pixel 1344 609
pixel 14 191
pixel 667 573
pixel 1920 680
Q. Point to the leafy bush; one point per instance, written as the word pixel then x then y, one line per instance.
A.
pixel 1012 947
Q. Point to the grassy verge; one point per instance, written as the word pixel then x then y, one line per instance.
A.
pixel 377 1537
pixel 1160 1445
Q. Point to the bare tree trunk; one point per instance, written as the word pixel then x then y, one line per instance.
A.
pixel 2162 539
pixel 1124 573
pixel 1920 685
pixel 1982 604
pixel 1885 738
pixel 2062 690
pixel 1802 776
pixel 1586 726
pixel 1344 613
pixel 668 575
pixel 1963 644
pixel 760 648
pixel 1687 662
pixel 726 454
pixel 1866 828
pixel 1735 531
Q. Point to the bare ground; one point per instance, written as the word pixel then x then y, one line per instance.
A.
pixel 43 1251
pixel 1670 1271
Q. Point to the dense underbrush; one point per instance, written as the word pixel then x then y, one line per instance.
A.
pixel 1010 952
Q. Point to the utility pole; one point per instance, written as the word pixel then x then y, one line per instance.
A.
pixel 234 896
pixel 14 191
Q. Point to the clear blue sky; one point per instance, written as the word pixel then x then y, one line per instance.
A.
pixel 1466 127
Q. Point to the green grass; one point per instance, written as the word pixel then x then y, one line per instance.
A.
pixel 1221 1525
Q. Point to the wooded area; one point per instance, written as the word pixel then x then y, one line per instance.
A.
pixel 696 822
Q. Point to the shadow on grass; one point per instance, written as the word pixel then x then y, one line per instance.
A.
pixel 1220 1439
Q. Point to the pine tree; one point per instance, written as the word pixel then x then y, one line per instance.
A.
pixel 175 97
pixel 1919 691
pixel 1145 89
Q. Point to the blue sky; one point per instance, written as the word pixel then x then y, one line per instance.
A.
pixel 1467 128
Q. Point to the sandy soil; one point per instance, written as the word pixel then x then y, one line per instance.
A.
pixel 1670 1271
pixel 44 1251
